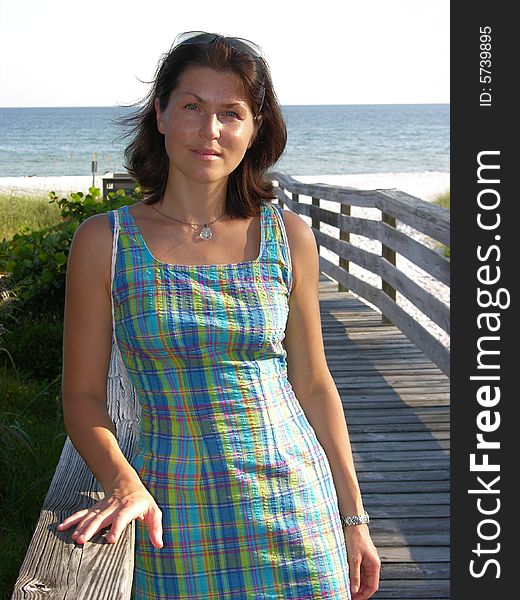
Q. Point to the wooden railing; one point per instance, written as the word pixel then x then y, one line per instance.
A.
pixel 55 566
pixel 393 206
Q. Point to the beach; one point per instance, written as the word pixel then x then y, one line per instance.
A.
pixel 423 185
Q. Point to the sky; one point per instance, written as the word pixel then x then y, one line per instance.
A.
pixel 94 53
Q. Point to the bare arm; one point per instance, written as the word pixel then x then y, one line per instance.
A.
pixel 86 356
pixel 316 391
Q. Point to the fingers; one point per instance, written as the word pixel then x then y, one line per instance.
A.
pixel 369 584
pixel 153 520
pixel 93 522
pixel 120 523
pixel 354 562
pixel 90 521
pixel 117 513
pixel 72 519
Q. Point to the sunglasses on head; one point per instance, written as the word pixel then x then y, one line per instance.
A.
pixel 203 37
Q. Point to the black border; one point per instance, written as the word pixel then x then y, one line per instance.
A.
pixel 474 129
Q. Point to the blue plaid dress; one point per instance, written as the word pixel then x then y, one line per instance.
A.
pixel 249 506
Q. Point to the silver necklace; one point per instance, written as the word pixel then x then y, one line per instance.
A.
pixel 205 233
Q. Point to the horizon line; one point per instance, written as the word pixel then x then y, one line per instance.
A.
pixel 282 105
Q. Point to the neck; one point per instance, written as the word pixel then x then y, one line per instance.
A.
pixel 193 201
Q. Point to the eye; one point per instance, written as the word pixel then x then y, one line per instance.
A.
pixel 232 115
pixel 192 106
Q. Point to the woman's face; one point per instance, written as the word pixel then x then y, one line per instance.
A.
pixel 208 125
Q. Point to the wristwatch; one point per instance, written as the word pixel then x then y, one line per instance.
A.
pixel 363 519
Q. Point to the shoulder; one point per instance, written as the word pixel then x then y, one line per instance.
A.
pixel 300 235
pixel 93 231
pixel 91 247
pixel 302 245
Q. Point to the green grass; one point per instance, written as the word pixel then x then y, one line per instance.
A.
pixel 31 439
pixel 443 200
pixel 32 432
pixel 30 211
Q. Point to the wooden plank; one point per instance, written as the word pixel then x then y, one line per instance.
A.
pixel 406 498
pixel 409 446
pixel 426 217
pixel 424 257
pixel 415 554
pixel 398 436
pixel 413 590
pixel 423 216
pixel 427 539
pixel 426 302
pixel 56 567
pixel 389 411
pixel 391 487
pixel 405 457
pixel 397 415
pixel 352 403
pixel 410 525
pixel 382 427
pixel 414 475
pixel 421 571
pixel 420 336
pixel 382 466
pixel 412 511
pixel 343 195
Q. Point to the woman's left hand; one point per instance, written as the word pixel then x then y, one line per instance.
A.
pixel 363 560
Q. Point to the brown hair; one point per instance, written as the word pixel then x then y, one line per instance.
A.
pixel 145 157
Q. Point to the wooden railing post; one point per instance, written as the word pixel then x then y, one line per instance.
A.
pixel 389 255
pixel 345 236
pixel 280 201
pixel 429 221
pixel 316 221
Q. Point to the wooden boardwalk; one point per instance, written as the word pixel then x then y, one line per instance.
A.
pixel 395 394
pixel 397 407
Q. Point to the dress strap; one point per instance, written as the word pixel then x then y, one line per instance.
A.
pixel 116 228
pixel 283 242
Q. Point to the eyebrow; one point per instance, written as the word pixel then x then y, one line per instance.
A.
pixel 227 105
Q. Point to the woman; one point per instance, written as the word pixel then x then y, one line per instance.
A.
pixel 243 476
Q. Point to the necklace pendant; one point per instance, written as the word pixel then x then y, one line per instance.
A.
pixel 205 233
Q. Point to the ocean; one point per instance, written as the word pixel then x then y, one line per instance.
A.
pixel 325 139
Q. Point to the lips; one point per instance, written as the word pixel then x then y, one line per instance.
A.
pixel 206 152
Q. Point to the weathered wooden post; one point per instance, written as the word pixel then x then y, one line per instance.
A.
pixel 388 254
pixel 316 220
pixel 345 236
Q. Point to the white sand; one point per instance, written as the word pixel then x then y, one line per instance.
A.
pixel 426 186
pixel 40 186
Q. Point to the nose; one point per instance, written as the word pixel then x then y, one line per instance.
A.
pixel 210 126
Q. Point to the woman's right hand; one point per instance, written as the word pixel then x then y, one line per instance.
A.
pixel 122 503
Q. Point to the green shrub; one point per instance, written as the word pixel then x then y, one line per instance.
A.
pixel 7 302
pixel 32 294
pixel 34 345
pixel 36 260
pixel 32 434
